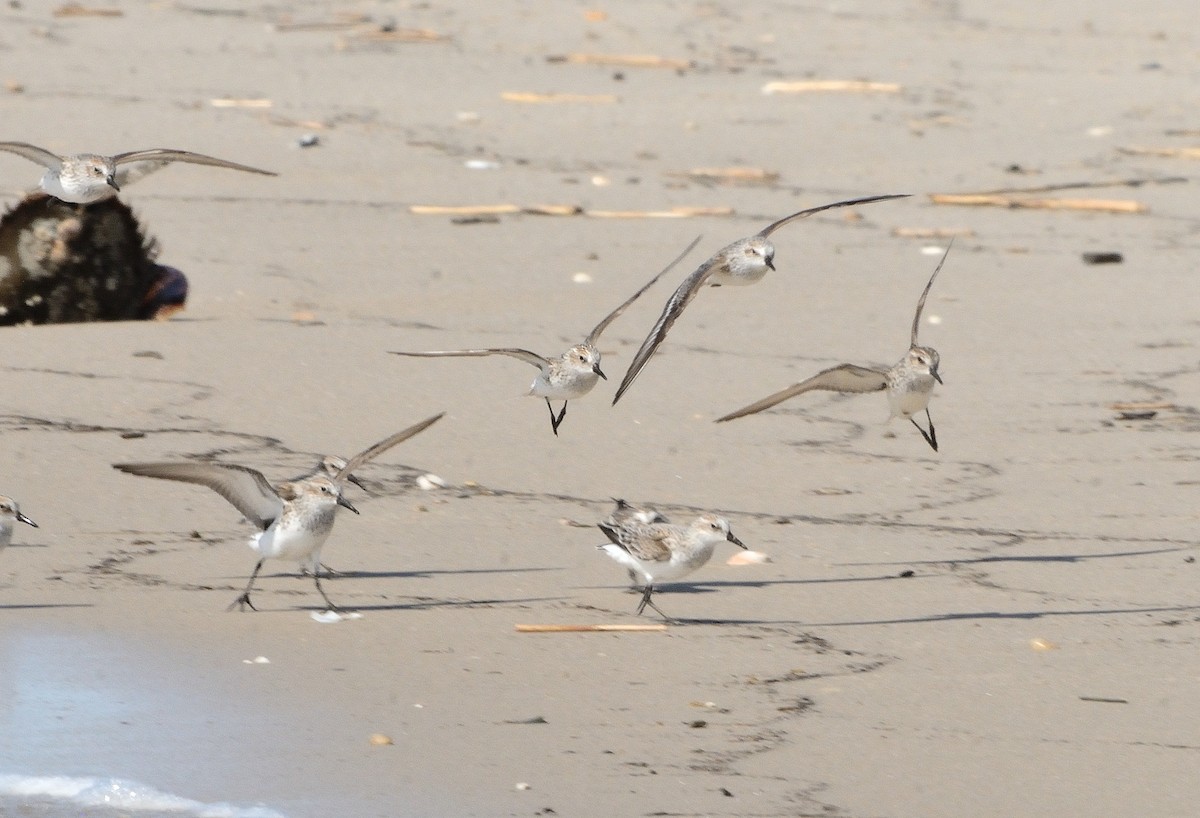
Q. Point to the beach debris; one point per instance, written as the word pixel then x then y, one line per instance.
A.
pixel 748 558
pixel 331 617
pixel 831 86
pixel 429 482
pixel 735 175
pixel 537 98
pixel 532 720
pixel 481 164
pixel 1103 258
pixel 380 740
pixel 931 232
pixel 257 660
pixel 581 278
pixel 65 263
pixel 1170 153
pixel 80 10
pixel 678 212
pixel 521 786
pixel 308 140
pixel 590 628
pixel 1022 203
pixel 1040 644
pixel 1103 700
pixel 240 103
pixel 387 33
pixel 620 60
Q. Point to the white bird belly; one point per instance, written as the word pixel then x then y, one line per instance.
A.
pixel 565 388
pixel 907 402
pixel 289 543
pixel 728 279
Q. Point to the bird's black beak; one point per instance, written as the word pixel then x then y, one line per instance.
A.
pixel 936 376
pixel 596 369
pixel 26 520
pixel 770 260
pixel 736 541
pixel 350 478
pixel 344 503
pixel 112 182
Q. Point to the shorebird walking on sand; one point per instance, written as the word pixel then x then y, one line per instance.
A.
pixel 295 518
pixel 909 384
pixel 84 178
pixel 659 552
pixel 572 374
pixel 744 262
pixel 10 513
pixel 329 465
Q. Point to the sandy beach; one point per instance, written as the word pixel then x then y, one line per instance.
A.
pixel 1005 627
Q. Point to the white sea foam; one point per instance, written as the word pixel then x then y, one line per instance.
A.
pixel 122 795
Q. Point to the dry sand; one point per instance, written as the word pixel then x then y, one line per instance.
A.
pixel 824 683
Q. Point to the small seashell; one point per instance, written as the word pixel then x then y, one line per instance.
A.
pixel 481 164
pixel 522 786
pixel 429 482
pixel 331 617
pixel 748 558
pixel 257 660
pixel 309 140
pixel 601 181
pixel 581 278
pixel 1039 643
pixel 380 740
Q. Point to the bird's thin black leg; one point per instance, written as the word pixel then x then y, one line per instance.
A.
pixel 328 602
pixel 242 601
pixel 931 435
pixel 555 422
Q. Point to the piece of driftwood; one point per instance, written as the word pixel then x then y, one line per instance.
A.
pixel 831 86
pixel 620 60
pixel 63 263
pixel 1019 202
pixel 681 212
pixel 931 232
pixel 590 628
pixel 1170 153
pixel 536 98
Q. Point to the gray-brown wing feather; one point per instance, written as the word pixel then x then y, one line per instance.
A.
pixel 645 542
pixel 520 354
pixel 594 335
pixel 172 155
pixel 842 378
pixel 925 293
pixel 245 488
pixel 679 299
pixel 33 153
pixel 773 226
pixel 369 454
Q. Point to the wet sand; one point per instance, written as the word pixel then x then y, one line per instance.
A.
pixel 1007 627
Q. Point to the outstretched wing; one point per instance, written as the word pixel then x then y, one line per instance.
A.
pixel 520 354
pixel 33 153
pixel 773 226
pixel 171 155
pixel 842 378
pixel 645 542
pixel 369 454
pixel 594 335
pixel 679 299
pixel 245 488
pixel 925 293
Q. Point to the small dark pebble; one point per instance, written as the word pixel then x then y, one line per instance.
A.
pixel 906 574
pixel 726 793
pixel 698 723
pixel 196 535
pixel 1103 258
pixel 132 435
pixel 1189 559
